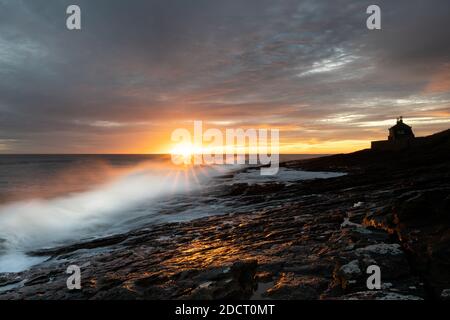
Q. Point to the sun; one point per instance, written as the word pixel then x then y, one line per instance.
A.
pixel 183 149
pixel 182 153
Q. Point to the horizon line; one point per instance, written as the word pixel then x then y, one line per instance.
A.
pixel 136 154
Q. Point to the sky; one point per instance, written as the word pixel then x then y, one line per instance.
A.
pixel 140 69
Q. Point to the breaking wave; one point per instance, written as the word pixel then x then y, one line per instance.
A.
pixel 33 224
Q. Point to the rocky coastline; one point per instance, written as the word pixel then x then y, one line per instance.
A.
pixel 392 209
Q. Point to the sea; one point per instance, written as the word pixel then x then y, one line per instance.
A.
pixel 54 200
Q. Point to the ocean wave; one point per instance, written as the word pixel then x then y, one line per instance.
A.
pixel 38 223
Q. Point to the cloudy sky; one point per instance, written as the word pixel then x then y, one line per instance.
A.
pixel 139 69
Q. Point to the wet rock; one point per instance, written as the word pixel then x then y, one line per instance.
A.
pixel 311 240
pixel 291 286
pixel 234 282
pixel 349 273
pixel 445 294
pixel 379 295
pixel 263 276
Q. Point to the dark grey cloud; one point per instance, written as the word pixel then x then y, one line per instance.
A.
pixel 137 65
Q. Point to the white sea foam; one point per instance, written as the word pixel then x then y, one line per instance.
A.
pixel 33 224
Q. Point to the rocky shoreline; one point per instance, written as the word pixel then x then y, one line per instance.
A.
pixel 391 210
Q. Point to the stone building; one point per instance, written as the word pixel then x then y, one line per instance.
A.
pixel 400 137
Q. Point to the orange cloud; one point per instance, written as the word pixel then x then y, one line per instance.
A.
pixel 440 81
